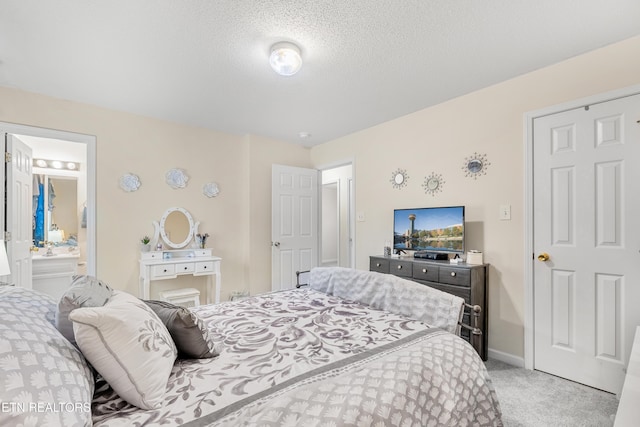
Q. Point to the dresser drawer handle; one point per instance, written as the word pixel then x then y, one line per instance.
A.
pixel 164 271
pixel 424 270
pixel 453 274
pixel 378 264
pixel 399 267
pixel 205 267
pixel 186 268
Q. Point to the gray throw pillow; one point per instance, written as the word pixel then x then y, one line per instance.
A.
pixel 187 330
pixel 84 291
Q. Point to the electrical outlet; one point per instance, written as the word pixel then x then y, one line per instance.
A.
pixel 505 212
pixel 360 216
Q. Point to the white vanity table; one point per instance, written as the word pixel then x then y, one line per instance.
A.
pixel 184 257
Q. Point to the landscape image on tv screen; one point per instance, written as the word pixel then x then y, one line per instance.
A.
pixel 429 229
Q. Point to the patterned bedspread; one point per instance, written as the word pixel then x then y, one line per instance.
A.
pixel 301 357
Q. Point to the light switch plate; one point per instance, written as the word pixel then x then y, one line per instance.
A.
pixel 505 212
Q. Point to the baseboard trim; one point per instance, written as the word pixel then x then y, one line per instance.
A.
pixel 505 357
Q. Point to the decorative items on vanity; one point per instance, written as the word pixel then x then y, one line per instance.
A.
pixel 186 256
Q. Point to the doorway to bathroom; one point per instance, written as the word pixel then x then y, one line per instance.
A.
pixel 48 202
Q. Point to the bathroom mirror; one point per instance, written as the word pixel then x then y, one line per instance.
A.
pixel 56 216
pixel 176 227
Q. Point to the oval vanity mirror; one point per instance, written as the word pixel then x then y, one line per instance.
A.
pixel 176 227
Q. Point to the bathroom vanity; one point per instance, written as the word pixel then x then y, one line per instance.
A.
pixel 52 274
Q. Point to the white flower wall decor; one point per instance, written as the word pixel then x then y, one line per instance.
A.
pixel 129 182
pixel 176 178
pixel 210 189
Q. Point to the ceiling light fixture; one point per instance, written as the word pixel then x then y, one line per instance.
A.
pixel 285 58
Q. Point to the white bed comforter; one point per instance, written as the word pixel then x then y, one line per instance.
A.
pixel 302 357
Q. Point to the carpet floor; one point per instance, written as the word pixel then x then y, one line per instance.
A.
pixel 532 398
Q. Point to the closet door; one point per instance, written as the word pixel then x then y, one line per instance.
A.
pixel 587 241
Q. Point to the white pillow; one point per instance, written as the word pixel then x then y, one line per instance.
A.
pixel 125 341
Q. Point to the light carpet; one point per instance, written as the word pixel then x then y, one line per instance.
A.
pixel 531 398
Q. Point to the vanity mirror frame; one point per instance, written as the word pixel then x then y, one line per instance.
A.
pixel 161 236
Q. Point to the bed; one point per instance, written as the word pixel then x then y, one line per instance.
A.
pixel 353 348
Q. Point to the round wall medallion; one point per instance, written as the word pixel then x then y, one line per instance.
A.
pixel 399 178
pixel 475 165
pixel 129 182
pixel 433 183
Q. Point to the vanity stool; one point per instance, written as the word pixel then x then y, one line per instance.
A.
pixel 186 297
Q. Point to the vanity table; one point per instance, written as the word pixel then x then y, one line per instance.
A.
pixel 162 265
pixel 179 232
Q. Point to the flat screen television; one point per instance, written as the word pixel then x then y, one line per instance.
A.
pixel 438 229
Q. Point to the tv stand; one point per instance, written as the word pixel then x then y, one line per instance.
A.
pixel 464 280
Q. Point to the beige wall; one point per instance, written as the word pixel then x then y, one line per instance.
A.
pixel 241 165
pixel 438 139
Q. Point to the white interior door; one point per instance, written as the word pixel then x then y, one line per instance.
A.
pixel 19 199
pixel 294 223
pixel 586 218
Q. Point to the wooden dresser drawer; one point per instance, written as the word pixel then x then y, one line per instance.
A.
pixel 455 276
pixel 401 268
pixel 381 265
pixel 427 272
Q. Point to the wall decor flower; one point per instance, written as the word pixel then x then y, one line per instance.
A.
pixel 176 178
pixel 475 165
pixel 399 178
pixel 210 189
pixel 433 183
pixel 129 182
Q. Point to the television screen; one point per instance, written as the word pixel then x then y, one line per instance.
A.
pixel 439 229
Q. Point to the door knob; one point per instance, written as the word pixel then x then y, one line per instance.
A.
pixel 276 244
pixel 543 257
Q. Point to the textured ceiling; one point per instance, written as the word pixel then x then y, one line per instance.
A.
pixel 205 63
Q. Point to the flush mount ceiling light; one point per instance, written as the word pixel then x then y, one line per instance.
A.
pixel 285 58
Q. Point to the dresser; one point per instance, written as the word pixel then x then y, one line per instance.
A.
pixel 169 264
pixel 464 280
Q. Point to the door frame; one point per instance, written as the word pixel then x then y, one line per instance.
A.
pixel 529 254
pixel 351 195
pixel 90 142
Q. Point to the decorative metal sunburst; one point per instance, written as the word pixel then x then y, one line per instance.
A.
pixel 433 183
pixel 475 165
pixel 399 178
